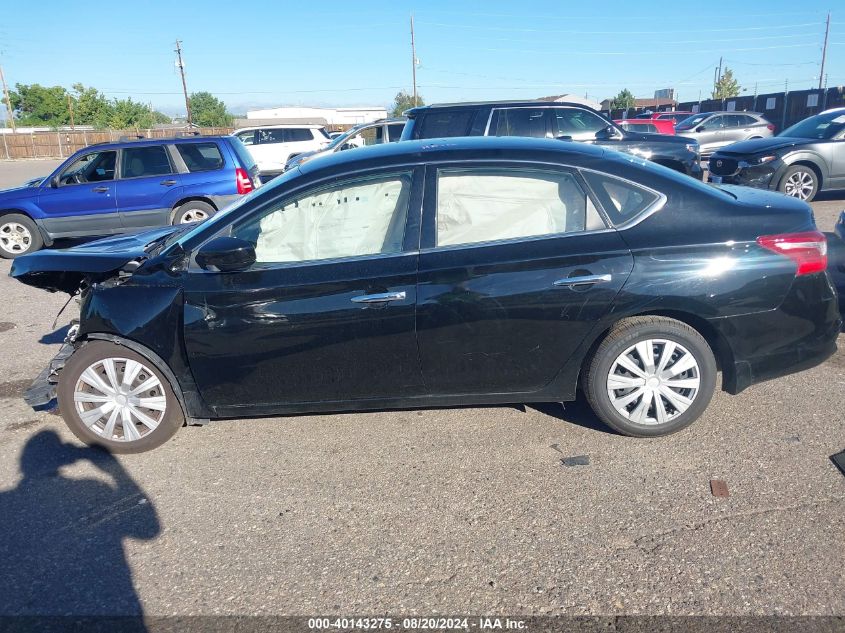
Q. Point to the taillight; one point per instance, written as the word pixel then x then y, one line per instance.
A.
pixel 770 127
pixel 243 181
pixel 808 250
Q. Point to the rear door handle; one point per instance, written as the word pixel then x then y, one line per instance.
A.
pixel 168 183
pixel 100 189
pixel 584 280
pixel 380 297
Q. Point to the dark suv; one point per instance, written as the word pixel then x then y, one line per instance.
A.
pixel 544 119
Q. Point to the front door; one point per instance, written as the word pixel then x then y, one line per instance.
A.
pixel 83 200
pixel 327 312
pixel 148 186
pixel 519 267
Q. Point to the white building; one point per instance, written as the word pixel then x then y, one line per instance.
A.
pixel 326 116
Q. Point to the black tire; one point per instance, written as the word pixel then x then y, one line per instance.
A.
pixel 623 336
pixel 790 179
pixel 195 207
pixel 13 241
pixel 170 419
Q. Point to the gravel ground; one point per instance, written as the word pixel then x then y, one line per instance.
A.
pixel 467 510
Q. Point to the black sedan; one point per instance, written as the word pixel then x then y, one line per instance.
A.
pixel 800 161
pixel 444 272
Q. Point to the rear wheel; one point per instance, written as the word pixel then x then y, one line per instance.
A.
pixel 192 211
pixel 650 376
pixel 800 182
pixel 112 397
pixel 19 235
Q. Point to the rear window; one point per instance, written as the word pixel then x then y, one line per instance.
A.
pixel 138 162
pixel 242 153
pixel 394 132
pixel 622 200
pixel 203 156
pixel 439 123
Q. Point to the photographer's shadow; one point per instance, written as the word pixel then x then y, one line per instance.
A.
pixel 61 539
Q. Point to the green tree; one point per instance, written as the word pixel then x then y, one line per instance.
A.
pixel 38 105
pixel 625 100
pixel 726 86
pixel 90 107
pixel 208 111
pixel 404 101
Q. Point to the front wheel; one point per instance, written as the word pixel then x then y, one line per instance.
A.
pixel 112 397
pixel 800 182
pixel 650 376
pixel 18 236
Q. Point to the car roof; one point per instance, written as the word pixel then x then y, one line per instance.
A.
pixel 281 126
pixel 142 142
pixel 528 103
pixel 478 147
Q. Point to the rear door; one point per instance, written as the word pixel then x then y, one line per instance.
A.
pixel 517 268
pixel 83 202
pixel 148 187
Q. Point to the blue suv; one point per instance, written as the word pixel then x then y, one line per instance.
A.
pixel 126 186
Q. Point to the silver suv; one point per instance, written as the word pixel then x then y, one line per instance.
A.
pixel 713 130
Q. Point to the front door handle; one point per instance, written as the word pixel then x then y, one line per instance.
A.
pixel 584 280
pixel 380 297
pixel 167 183
pixel 100 189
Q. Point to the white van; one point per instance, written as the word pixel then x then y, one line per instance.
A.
pixel 272 145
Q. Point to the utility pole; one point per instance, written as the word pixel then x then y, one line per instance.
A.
pixel 8 101
pixel 824 50
pixel 70 109
pixel 181 66
pixel 413 60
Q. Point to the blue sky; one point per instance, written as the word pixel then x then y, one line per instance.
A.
pixel 260 54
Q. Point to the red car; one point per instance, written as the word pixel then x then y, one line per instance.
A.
pixel 651 126
pixel 676 116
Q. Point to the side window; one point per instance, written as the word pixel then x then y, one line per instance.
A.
pixel 394 132
pixel 138 162
pixel 622 200
pixel 298 134
pixel 522 122
pixel 748 120
pixel 200 156
pixel 93 167
pixel 347 219
pixel 579 124
pixel 488 204
pixel 247 138
pixel 271 135
pixel 437 123
pixel 715 123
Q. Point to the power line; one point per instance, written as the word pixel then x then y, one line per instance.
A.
pixel 624 53
pixel 582 32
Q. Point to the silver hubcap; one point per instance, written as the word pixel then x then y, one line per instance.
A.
pixel 15 238
pixel 119 399
pixel 799 185
pixel 653 381
pixel 193 215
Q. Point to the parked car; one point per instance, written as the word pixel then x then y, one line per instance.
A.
pixel 375 133
pixel 272 145
pixel 713 130
pixel 647 126
pixel 440 273
pixel 125 186
pixel 675 116
pixel 800 161
pixel 542 119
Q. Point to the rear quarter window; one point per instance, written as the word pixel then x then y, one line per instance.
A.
pixel 202 156
pixel 622 200
pixel 439 124
pixel 242 154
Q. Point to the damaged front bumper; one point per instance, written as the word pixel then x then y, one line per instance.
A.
pixel 41 394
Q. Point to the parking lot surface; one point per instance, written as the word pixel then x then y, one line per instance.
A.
pixel 467 510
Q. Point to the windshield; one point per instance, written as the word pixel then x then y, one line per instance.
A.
pixel 340 140
pixel 692 121
pixel 821 126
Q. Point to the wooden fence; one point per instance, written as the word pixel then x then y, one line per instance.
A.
pixel 63 143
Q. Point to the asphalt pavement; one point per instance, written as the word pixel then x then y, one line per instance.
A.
pixel 467 510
